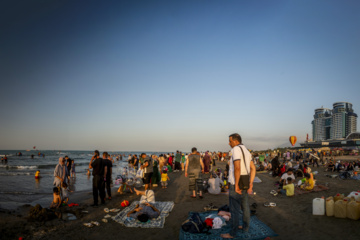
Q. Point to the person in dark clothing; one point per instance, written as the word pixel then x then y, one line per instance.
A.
pixel 193 170
pixel 275 163
pixel 108 165
pixel 68 167
pixel 99 174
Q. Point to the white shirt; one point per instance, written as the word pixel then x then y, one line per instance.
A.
pixel 215 184
pixel 285 177
pixel 236 155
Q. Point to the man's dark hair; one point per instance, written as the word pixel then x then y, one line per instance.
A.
pixel 97 153
pixel 236 136
pixel 66 156
pixel 290 170
pixel 143 217
pixel 142 154
pixel 105 154
pixel 307 175
pixel 289 179
pixel 55 190
pixel 193 149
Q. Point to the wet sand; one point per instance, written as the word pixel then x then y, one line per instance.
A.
pixel 292 217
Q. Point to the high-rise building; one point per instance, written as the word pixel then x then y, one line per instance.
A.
pixel 337 123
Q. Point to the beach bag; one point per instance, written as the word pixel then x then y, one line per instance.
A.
pixel 139 173
pixel 244 181
pixel 194 224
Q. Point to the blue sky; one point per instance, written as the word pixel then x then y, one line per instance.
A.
pixel 168 75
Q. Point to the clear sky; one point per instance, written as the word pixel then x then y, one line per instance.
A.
pixel 168 75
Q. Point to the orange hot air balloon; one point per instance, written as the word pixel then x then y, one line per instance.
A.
pixel 292 140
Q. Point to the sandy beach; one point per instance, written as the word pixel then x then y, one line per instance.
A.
pixel 291 219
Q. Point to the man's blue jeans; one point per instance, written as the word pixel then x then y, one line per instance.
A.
pixel 239 205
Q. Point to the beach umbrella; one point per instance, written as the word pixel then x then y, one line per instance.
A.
pixel 292 140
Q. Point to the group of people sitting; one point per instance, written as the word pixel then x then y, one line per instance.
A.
pixel 338 166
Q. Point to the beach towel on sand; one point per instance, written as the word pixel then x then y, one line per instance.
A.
pixel 164 208
pixel 258 230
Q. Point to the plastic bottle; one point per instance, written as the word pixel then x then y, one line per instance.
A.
pixel 353 210
pixel 338 197
pixel 340 209
pixel 330 207
pixel 318 206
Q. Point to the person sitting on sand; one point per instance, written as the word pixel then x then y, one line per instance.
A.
pixel 215 184
pixel 56 201
pixel 309 183
pixel 124 186
pixel 285 176
pixel 147 196
pixel 288 189
pixel 330 167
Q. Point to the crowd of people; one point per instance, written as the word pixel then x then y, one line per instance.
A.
pixel 203 175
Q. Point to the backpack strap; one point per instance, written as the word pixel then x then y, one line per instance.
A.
pixel 243 159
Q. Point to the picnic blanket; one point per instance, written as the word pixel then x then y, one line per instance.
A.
pixel 164 208
pixel 257 180
pixel 258 230
pixel 317 188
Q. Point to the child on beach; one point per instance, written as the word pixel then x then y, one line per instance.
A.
pixel 64 192
pixel 73 175
pixel 37 175
pixel 56 201
pixel 309 183
pixel 164 179
pixel 124 186
pixel 288 189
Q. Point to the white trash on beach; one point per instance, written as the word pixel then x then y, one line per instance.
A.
pixel 89 225
pixel 107 216
pixel 106 210
pixel 114 210
pixel 95 223
pixel 104 220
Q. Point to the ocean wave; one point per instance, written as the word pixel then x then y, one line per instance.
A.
pixel 15 173
pixel 19 193
pixel 18 167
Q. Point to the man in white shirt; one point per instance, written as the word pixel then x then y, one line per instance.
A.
pixel 240 164
pixel 286 175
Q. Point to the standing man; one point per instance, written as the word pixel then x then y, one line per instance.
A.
pixel 177 161
pixel 108 169
pixel 97 164
pixel 192 167
pixel 148 170
pixel 240 164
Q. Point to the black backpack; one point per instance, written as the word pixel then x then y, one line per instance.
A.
pixel 194 224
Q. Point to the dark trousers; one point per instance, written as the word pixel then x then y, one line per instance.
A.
pixel 177 166
pixel 98 189
pixel 108 188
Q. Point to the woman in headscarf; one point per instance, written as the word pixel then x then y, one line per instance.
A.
pixel 207 161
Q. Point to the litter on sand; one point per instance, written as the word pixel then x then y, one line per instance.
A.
pixel 114 210
pixel 106 210
pixel 272 204
pixel 95 223
pixel 104 220
pixel 107 216
pixel 89 225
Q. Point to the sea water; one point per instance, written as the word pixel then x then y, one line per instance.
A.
pixel 18 185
